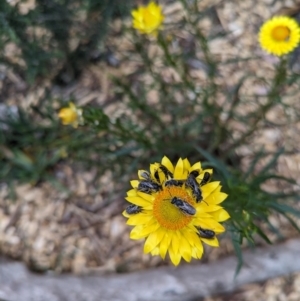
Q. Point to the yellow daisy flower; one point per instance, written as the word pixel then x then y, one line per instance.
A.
pixel 148 19
pixel 176 209
pixel 279 35
pixel 71 115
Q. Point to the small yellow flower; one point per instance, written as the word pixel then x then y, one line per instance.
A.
pixel 71 115
pixel 279 35
pixel 176 209
pixel 148 19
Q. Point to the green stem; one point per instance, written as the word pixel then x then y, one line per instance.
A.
pixel 275 91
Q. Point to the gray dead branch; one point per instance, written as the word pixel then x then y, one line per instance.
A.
pixel 187 282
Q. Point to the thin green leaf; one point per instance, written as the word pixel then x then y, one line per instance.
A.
pixel 272 163
pixel 263 235
pixel 214 162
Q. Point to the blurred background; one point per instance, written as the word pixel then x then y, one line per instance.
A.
pixel 202 88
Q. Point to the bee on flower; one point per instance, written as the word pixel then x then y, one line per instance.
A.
pixel 71 115
pixel 148 19
pixel 176 209
pixel 279 35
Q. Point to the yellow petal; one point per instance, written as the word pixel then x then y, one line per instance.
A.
pixel 148 197
pixel 160 234
pixel 124 213
pixel 186 164
pixel 166 162
pixel 206 207
pixel 179 170
pixel 201 214
pixel 148 208
pixel 142 231
pixel 139 219
pixel 153 169
pixel 155 251
pixel 70 115
pixel 137 23
pixel 191 235
pixel 165 243
pixel 134 183
pixel 135 233
pixel 175 244
pixel 210 224
pixel 209 188
pixel 161 175
pixel 220 215
pixel 213 242
pixel 132 192
pixel 137 201
pixel 153 7
pixel 199 247
pixel 174 256
pixel 185 249
pixel 135 13
pixel 151 242
pixel 216 197
pixel 197 253
pixel 196 166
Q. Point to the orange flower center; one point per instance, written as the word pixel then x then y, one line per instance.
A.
pixel 281 33
pixel 167 214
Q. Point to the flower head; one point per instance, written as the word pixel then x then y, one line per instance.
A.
pixel 148 19
pixel 176 209
pixel 71 115
pixel 279 35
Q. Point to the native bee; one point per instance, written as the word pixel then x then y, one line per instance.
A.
pixel 206 233
pixel 148 186
pixel 193 184
pixel 165 170
pixel 145 175
pixel 195 173
pixel 133 209
pixel 173 182
pixel 183 206
pixel 206 178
